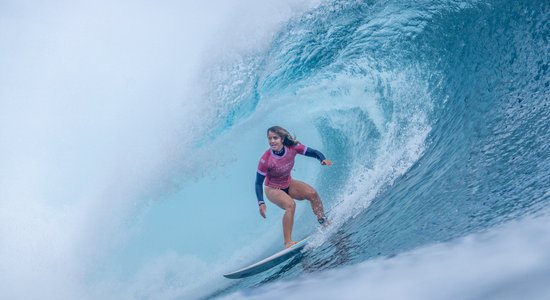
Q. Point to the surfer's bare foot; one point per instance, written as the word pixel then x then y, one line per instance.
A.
pixel 290 244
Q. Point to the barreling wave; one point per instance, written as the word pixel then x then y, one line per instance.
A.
pixel 435 112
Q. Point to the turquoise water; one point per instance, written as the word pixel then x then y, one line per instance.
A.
pixel 141 147
pixel 436 113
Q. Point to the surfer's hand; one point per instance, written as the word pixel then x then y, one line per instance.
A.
pixel 262 210
pixel 326 162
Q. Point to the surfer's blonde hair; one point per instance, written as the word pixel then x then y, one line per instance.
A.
pixel 288 139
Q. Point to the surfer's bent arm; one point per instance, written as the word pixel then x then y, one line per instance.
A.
pixel 259 188
pixel 310 152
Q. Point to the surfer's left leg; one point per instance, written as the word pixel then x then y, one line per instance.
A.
pixel 302 191
pixel 284 201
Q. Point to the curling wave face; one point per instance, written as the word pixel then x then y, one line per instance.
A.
pixel 436 112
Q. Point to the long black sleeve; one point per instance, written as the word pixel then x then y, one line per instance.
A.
pixel 310 152
pixel 259 188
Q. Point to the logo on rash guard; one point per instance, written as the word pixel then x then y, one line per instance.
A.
pixel 282 169
pixel 279 172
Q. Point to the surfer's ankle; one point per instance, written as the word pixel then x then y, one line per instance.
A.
pixel 290 244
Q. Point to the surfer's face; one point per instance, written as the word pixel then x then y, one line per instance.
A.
pixel 275 141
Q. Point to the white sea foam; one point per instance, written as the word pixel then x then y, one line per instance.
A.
pixel 98 103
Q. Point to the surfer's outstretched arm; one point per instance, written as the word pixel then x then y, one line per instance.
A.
pixel 310 152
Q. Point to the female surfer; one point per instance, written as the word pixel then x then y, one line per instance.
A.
pixel 280 188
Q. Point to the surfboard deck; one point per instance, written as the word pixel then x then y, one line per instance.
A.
pixel 269 262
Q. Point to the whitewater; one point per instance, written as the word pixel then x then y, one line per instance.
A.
pixel 130 133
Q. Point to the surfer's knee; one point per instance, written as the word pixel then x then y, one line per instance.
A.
pixel 312 195
pixel 290 206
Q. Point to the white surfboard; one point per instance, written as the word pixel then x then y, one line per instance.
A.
pixel 270 262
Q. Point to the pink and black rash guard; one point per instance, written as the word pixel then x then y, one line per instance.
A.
pixel 275 167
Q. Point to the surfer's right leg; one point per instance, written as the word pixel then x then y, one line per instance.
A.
pixel 300 190
pixel 284 201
